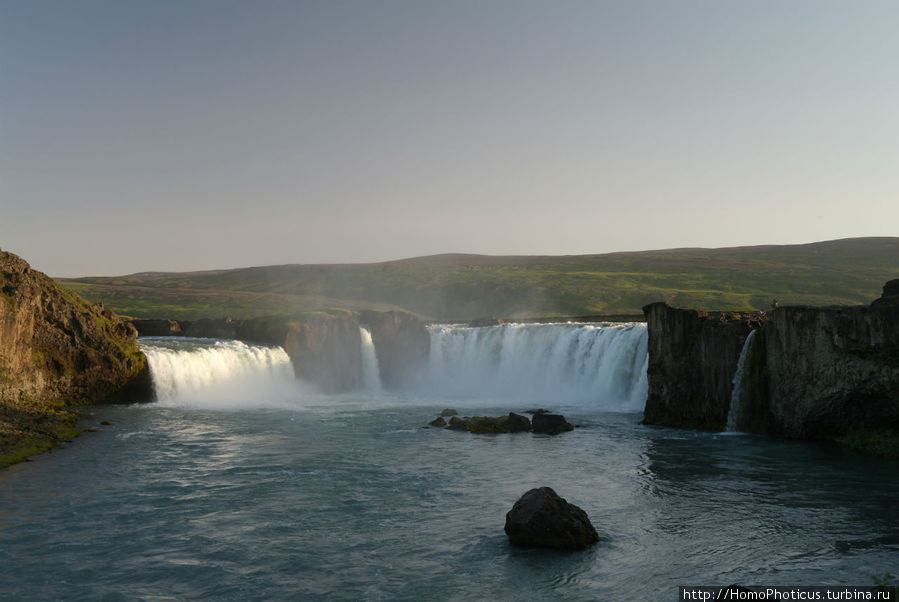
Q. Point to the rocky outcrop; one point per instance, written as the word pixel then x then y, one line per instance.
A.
pixel 540 518
pixel 543 423
pixel 327 350
pixel 692 359
pixel 825 373
pixel 811 372
pixel 402 344
pixel 58 350
pixel 550 424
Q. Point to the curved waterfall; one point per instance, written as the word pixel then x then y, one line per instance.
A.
pixel 186 370
pixel 600 366
pixel 594 366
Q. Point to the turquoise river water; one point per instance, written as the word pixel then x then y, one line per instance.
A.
pixel 261 489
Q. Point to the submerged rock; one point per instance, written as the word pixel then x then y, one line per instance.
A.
pixel 449 412
pixel 540 518
pixel 550 424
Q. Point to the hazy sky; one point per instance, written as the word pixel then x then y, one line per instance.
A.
pixel 178 135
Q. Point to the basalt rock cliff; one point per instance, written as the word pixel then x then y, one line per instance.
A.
pixel 823 373
pixel 826 373
pixel 57 350
pixel 692 359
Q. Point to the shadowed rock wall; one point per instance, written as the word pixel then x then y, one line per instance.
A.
pixel 692 359
pixel 812 372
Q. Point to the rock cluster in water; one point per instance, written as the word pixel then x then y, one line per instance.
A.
pixel 540 518
pixel 544 422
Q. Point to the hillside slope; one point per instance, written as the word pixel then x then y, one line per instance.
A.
pixel 459 286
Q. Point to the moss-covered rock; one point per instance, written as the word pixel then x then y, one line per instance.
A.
pixel 457 424
pixel 513 423
pixel 57 350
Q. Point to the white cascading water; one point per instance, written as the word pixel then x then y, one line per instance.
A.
pixel 733 412
pixel 600 366
pixel 371 373
pixel 218 372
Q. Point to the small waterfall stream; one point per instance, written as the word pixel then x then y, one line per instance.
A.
pixel 371 374
pixel 733 413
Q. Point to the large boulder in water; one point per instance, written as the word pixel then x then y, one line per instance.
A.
pixel 550 424
pixel 540 518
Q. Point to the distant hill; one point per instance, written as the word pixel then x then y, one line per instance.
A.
pixel 461 287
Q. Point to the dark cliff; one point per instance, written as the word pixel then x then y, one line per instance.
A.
pixel 692 359
pixel 811 373
pixel 826 373
pixel 57 350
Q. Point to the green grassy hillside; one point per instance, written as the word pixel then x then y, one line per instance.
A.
pixel 446 287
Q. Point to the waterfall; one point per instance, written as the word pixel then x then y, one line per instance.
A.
pixel 733 413
pixel 186 370
pixel 371 374
pixel 600 366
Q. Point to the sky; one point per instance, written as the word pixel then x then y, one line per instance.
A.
pixel 175 135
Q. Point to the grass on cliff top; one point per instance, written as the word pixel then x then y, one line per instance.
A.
pixel 461 287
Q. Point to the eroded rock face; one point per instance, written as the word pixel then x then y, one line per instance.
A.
pixel 811 373
pixel 540 518
pixel 827 371
pixel 326 350
pixel 402 344
pixel 57 350
pixel 55 346
pixel 692 359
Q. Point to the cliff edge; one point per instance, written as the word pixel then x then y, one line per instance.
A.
pixel 818 373
pixel 56 351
